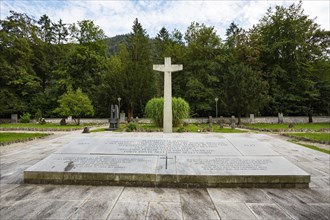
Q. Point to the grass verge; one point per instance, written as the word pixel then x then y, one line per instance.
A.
pixel 285 127
pixel 40 127
pixel 189 128
pixel 311 146
pixel 320 137
pixel 13 137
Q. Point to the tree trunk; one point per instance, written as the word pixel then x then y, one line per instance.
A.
pixel 238 119
pixel 129 115
pixel 77 121
pixel 310 117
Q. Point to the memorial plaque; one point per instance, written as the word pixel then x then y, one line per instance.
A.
pixel 151 146
pixel 136 146
pixel 80 145
pixel 237 166
pixel 201 147
pixel 252 147
pixel 63 163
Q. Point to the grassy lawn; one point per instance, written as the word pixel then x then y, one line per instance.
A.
pixel 278 127
pixel 311 146
pixel 47 126
pixel 322 137
pixel 12 137
pixel 205 128
pixel 189 128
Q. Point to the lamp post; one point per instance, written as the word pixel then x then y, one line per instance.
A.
pixel 216 107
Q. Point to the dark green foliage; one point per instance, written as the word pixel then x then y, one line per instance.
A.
pixel 154 109
pixel 25 118
pixel 246 92
pixel 136 80
pixel 75 104
pixel 38 115
pixel 131 127
pixel 292 46
pixel 286 50
pixel 199 85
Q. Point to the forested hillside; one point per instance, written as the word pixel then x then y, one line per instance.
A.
pixel 281 64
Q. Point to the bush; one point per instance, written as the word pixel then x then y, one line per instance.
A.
pixel 38 115
pixel 155 106
pixel 25 118
pixel 131 127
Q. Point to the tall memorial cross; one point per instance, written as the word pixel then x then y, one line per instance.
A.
pixel 168 68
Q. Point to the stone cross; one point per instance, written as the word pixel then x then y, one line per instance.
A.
pixel 168 68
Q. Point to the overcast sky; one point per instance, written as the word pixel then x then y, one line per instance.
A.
pixel 116 17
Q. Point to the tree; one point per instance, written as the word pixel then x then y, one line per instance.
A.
pixel 139 78
pixel 201 68
pixel 113 82
pixel 61 32
pixel 86 32
pixel 46 30
pixel 245 91
pixel 18 80
pixel 75 104
pixel 292 45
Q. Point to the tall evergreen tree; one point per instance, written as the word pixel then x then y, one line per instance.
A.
pixel 201 68
pixel 139 80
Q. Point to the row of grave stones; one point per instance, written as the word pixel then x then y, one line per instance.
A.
pixel 233 121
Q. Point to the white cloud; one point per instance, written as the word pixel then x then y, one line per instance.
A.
pixel 116 17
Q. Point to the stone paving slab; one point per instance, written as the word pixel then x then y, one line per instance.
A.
pixel 31 201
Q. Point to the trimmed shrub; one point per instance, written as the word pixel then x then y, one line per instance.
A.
pixel 155 106
pixel 25 118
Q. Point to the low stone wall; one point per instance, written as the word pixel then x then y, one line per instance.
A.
pixel 266 120
pixel 82 120
pixel 245 120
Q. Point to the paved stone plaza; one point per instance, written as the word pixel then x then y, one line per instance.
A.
pixel 31 201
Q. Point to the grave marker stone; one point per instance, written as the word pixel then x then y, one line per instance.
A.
pixel 210 122
pixel 251 118
pixel 14 118
pixel 232 122
pixel 221 121
pixel 122 117
pixel 280 118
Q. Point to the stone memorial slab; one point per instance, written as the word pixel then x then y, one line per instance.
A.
pixel 93 169
pixel 167 161
pixel 252 147
pixel 134 146
pixel 80 145
pixel 210 147
pixel 239 166
pixel 151 146
pixel 97 163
